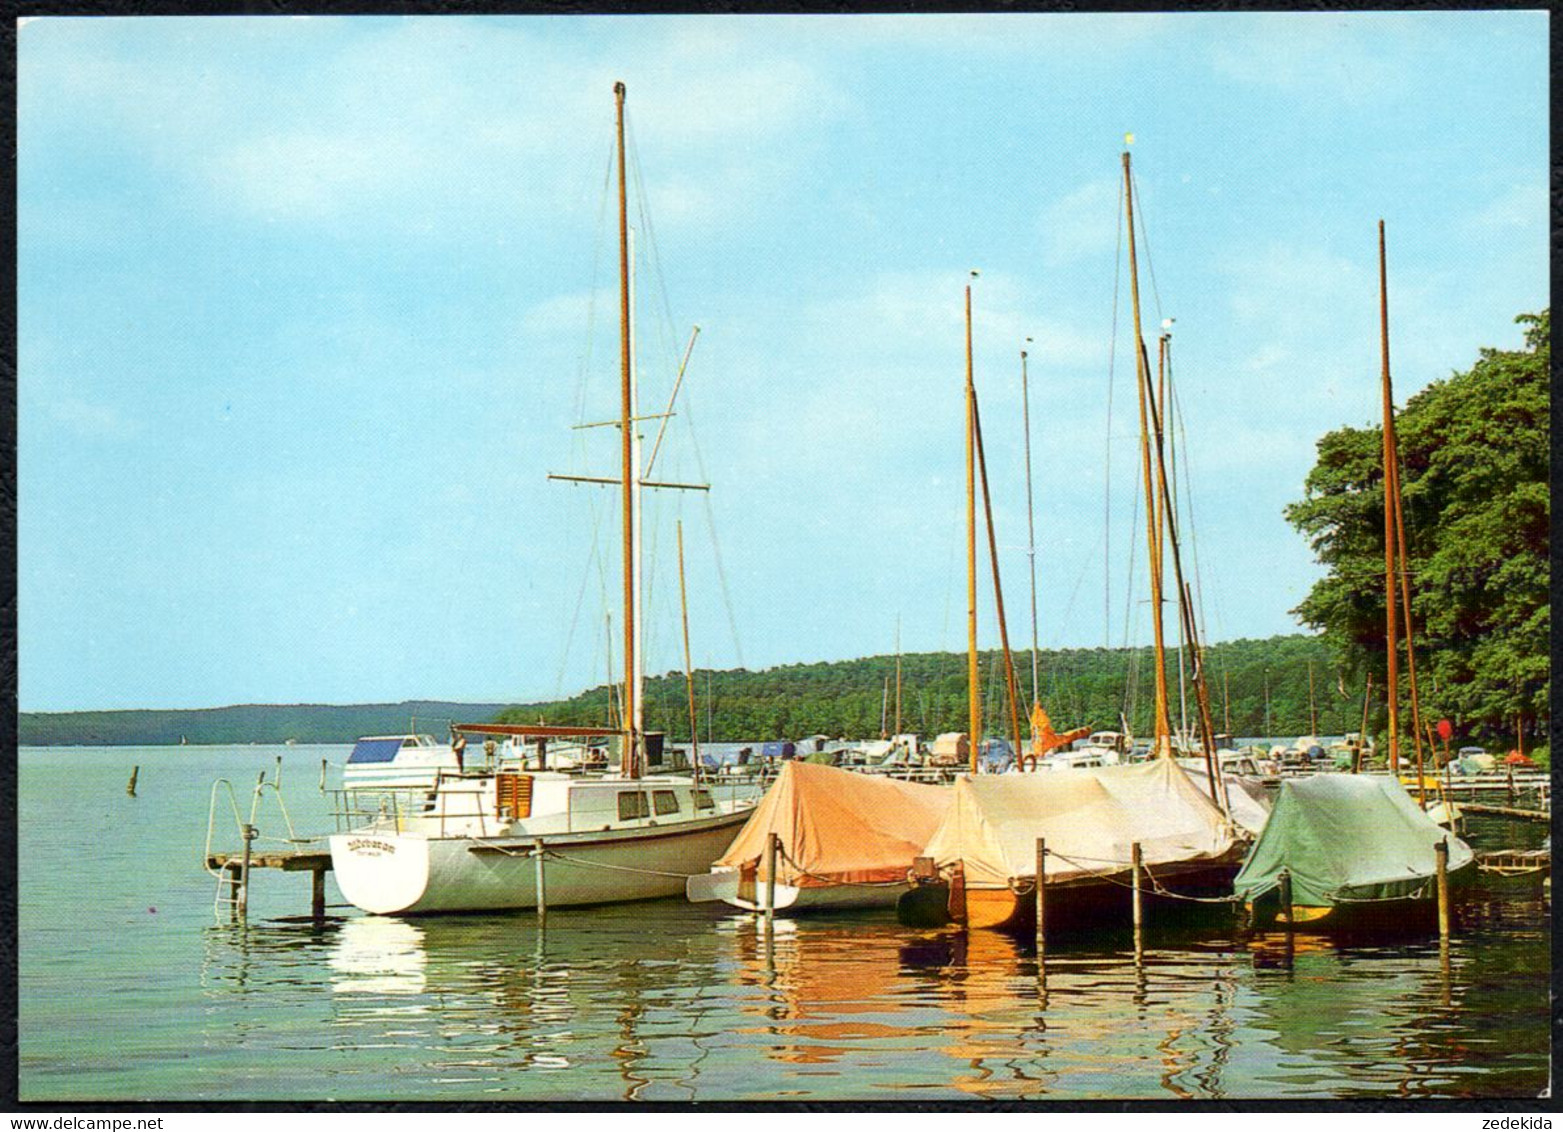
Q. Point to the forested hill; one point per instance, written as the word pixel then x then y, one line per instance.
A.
pixel 1078 687
pixel 246 723
pixel 1258 687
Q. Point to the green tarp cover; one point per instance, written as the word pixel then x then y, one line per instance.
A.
pixel 1346 837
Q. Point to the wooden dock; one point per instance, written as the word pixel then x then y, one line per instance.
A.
pixel 1504 811
pixel 232 865
pixel 1515 862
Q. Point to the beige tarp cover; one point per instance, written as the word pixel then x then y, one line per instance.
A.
pixel 840 825
pixel 1089 817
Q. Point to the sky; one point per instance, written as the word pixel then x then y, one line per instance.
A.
pixel 309 309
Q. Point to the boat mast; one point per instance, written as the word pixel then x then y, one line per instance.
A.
pixel 897 730
pixel 973 691
pixel 629 473
pixel 1392 633
pixel 1031 530
pixel 1163 726
pixel 1404 586
pixel 689 674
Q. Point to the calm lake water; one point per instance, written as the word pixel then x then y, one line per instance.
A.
pixel 131 989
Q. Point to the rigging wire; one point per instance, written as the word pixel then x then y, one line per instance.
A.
pixel 1107 482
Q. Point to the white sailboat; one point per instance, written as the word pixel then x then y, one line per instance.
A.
pixel 512 833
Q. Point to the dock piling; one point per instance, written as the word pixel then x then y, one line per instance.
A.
pixel 542 889
pixel 322 776
pixel 130 787
pixel 242 900
pixel 1441 856
pixel 1041 896
pixel 1285 881
pixel 317 894
pixel 772 850
pixel 1138 868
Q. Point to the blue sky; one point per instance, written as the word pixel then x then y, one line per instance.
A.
pixel 308 307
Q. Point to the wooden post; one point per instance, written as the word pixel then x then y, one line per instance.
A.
pixel 1286 898
pixel 242 907
pixel 542 890
pixel 130 787
pixel 317 894
pixel 772 848
pixel 322 776
pixel 1441 856
pixel 1511 783
pixel 1139 900
pixel 1041 896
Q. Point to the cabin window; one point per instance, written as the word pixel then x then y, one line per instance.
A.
pixel 632 806
pixel 664 802
pixel 703 800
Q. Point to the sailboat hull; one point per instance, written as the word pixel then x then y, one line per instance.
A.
pixel 413 874
pixel 1072 906
pixel 1411 911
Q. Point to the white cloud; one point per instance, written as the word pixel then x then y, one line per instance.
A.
pixel 92 419
pixel 1082 223
pixel 1519 206
pixel 1310 52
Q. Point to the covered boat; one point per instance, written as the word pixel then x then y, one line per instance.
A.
pixel 1358 851
pixel 985 848
pixel 847 841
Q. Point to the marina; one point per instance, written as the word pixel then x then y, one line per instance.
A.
pixel 840 1006
pixel 1262 809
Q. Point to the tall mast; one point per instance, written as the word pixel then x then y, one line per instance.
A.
pixel 973 691
pixel 1391 631
pixel 1031 530
pixel 628 472
pixel 1163 726
pixel 1313 714
pixel 897 730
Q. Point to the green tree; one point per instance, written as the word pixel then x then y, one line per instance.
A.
pixel 1474 452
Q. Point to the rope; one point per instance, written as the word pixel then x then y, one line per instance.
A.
pixel 1155 886
pixel 616 868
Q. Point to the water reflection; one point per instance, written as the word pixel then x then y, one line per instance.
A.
pixel 673 1004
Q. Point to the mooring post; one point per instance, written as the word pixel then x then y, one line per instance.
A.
pixel 277 778
pixel 1138 867
pixel 772 849
pixel 1285 880
pixel 317 894
pixel 130 787
pixel 1441 856
pixel 542 889
pixel 1041 896
pixel 242 906
pixel 322 776
pixel 1511 784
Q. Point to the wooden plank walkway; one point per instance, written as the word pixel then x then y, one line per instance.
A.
pixel 314 862
pixel 1504 811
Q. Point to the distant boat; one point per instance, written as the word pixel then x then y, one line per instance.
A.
pixel 1358 851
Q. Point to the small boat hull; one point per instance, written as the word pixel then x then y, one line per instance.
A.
pixel 1415 912
pixel 413 874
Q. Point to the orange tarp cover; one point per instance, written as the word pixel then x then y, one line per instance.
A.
pixel 839 825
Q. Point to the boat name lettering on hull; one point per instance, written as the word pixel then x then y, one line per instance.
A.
pixel 368 845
